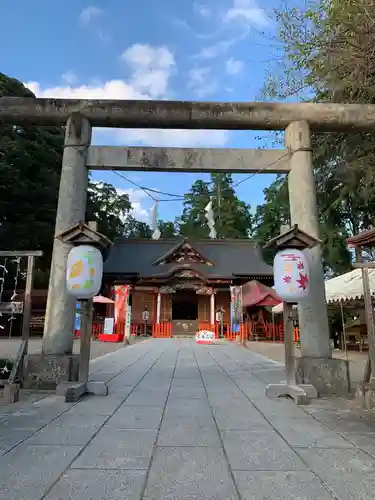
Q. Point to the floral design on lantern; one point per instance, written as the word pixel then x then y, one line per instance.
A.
pixel 84 271
pixel 291 275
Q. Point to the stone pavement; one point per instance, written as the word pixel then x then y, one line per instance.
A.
pixel 186 422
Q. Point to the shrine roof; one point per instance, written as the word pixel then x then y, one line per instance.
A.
pixel 154 258
pixel 363 239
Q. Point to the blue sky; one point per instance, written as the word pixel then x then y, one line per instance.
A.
pixel 159 49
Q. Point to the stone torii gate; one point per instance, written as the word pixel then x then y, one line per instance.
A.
pixel 298 120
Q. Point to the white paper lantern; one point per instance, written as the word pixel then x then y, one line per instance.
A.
pixel 291 275
pixel 84 271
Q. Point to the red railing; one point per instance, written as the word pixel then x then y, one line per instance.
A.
pixel 205 325
pixel 162 330
pixel 272 332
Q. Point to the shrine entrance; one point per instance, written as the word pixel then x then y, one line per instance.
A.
pixel 185 306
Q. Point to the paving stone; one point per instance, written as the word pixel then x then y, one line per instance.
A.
pixel 119 390
pixel 143 397
pixel 184 409
pixel 364 441
pixel 64 434
pixel 349 473
pixel 99 485
pixel 240 417
pixel 277 485
pixel 274 408
pixel 118 449
pixel 136 417
pixel 189 473
pixel 188 433
pixel 307 432
pixel 27 472
pixel 187 392
pixel 252 450
pixel 96 405
pixel 187 382
pixel 12 437
pixel 80 420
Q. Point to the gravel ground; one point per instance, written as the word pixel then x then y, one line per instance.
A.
pixel 357 360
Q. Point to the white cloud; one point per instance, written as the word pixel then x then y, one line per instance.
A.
pixel 233 67
pixel 201 82
pixel 151 68
pixel 247 11
pixel 137 198
pixel 215 50
pixel 202 9
pixel 89 13
pixel 69 77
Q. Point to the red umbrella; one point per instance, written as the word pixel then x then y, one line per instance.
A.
pixel 100 299
pixel 257 294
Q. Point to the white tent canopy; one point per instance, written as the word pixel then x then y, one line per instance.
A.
pixel 344 288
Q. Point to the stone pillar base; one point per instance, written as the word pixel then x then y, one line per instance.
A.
pixel 328 375
pixel 74 391
pixel 301 394
pixel 365 396
pixel 45 372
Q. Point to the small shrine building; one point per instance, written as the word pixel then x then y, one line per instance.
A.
pixel 175 287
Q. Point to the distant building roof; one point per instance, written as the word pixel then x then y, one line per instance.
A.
pixel 363 239
pixel 257 294
pixel 210 258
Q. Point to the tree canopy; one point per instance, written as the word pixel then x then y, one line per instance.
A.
pixel 232 216
pixel 327 56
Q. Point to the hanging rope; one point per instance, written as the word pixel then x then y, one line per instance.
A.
pixel 210 220
pixel 14 295
pixel 2 283
pixel 154 222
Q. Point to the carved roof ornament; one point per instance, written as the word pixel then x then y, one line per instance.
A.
pixel 184 251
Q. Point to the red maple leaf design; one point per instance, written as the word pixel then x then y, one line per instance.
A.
pixel 300 265
pixel 287 279
pixel 303 281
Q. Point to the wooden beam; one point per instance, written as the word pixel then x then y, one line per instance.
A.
pixel 188 115
pixel 270 161
pixel 21 253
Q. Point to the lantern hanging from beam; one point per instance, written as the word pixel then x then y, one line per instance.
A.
pixel 291 275
pixel 84 272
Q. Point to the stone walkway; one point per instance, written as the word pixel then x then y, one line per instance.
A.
pixel 186 422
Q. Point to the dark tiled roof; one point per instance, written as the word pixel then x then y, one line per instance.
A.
pixel 231 258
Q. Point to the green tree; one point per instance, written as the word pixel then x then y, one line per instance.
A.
pixel 192 222
pixel 134 228
pixel 232 216
pixel 30 166
pixel 327 57
pixel 271 215
pixel 108 208
pixel 167 229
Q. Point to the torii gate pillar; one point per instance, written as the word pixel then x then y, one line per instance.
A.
pixel 316 365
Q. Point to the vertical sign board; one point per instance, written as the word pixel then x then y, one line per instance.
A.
pixel 236 308
pixel 128 321
pixel 109 326
pixel 77 325
pixel 121 306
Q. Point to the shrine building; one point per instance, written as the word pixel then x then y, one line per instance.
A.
pixel 176 287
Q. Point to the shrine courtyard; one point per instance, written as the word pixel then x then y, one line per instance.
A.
pixel 183 421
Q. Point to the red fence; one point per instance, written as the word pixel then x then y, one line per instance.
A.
pixel 271 332
pixel 162 330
